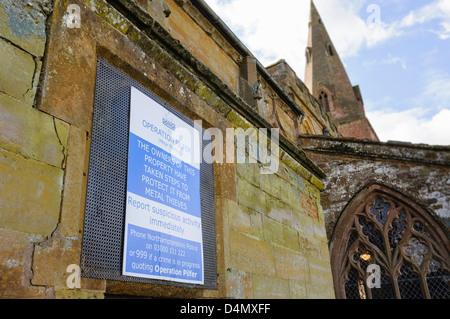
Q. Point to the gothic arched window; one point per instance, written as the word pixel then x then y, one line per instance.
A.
pixel 330 50
pixel 324 100
pixel 384 228
pixel 308 54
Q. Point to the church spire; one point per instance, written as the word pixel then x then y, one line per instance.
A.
pixel 327 80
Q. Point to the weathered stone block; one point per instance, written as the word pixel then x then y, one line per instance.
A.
pixel 249 172
pixel 315 291
pixel 199 42
pixel 32 133
pixel 291 238
pixel 321 274
pixel 71 56
pixel 320 231
pixel 30 194
pixel 109 14
pixel 74 197
pixel 78 294
pixel 51 258
pixel 16 250
pixel 295 166
pixel 309 206
pixel 270 288
pixel 317 183
pixel 24 24
pixel 222 231
pixel 18 73
pixel 272 185
pixel 316 250
pixel 225 184
pixel 306 225
pixel 238 121
pixel 251 196
pixel 290 177
pixel 290 265
pixel 287 124
pixel 239 284
pixel 273 231
pixel 297 289
pixel 251 255
pixel 282 212
pixel 244 220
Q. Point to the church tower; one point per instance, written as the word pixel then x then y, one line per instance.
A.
pixel 327 80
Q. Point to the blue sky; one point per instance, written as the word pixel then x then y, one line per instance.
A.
pixel 402 64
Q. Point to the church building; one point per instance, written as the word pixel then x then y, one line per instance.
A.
pixel 145 152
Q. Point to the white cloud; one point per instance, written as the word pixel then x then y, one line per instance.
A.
pixel 395 60
pixel 390 60
pixel 434 96
pixel 437 90
pixel 437 10
pixel 425 121
pixel 271 32
pixel 274 32
pixel 411 126
pixel 280 31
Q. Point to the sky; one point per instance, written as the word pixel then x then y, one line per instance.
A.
pixel 397 51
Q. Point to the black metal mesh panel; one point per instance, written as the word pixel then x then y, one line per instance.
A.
pixel 101 255
pixel 352 287
pixel 386 291
pixel 409 283
pixel 438 281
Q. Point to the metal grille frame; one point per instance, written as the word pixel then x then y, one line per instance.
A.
pixel 102 246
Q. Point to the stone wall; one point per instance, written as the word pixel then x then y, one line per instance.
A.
pixel 271 239
pixel 33 148
pixel 419 172
pixel 276 239
pixel 359 128
pixel 316 118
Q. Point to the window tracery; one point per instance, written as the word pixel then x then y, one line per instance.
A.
pixel 411 250
pixel 324 101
